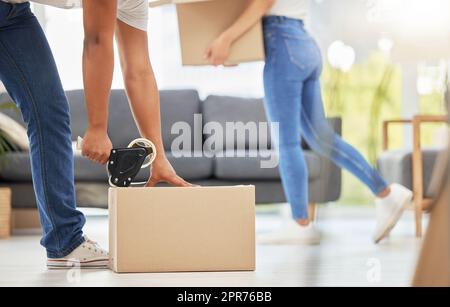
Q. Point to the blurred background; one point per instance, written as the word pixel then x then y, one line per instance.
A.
pixel 384 59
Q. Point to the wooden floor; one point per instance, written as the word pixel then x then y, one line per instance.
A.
pixel 346 257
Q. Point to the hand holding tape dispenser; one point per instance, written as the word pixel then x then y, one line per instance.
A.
pixel 124 164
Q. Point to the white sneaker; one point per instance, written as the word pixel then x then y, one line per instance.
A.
pixel 88 255
pixel 292 234
pixel 309 235
pixel 390 210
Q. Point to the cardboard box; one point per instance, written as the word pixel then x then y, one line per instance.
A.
pixel 182 229
pixel 201 21
pixel 26 221
pixel 5 213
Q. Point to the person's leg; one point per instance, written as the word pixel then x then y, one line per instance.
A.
pixel 322 139
pixel 29 73
pixel 283 106
pixel 392 199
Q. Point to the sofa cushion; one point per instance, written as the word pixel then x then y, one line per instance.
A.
pixel 396 167
pixel 179 106
pixel 14 133
pixel 15 167
pixel 78 115
pixel 248 167
pixel 13 113
pixel 121 129
pixel 189 168
pixel 223 109
pixel 192 168
pixel 176 106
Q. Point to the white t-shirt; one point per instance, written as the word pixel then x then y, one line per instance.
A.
pixel 297 9
pixel 131 12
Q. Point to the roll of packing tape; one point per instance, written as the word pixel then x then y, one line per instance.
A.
pixel 144 143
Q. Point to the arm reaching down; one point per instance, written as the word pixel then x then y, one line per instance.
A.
pixel 98 67
pixel 143 94
pixel 100 25
pixel 218 52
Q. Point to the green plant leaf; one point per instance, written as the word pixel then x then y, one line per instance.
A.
pixel 8 106
pixel 6 146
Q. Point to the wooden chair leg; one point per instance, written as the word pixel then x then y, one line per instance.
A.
pixel 417 169
pixel 312 212
pixel 418 214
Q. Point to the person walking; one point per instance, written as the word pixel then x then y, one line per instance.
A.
pixel 293 66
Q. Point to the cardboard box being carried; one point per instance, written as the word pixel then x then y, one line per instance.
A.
pixel 182 229
pixel 201 21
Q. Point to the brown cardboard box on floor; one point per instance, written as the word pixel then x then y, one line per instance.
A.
pixel 182 229
pixel 201 21
pixel 5 213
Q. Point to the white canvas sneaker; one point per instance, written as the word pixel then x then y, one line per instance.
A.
pixel 88 255
pixel 390 210
pixel 292 234
pixel 309 235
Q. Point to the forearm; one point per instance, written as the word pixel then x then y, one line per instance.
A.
pixel 142 91
pixel 140 83
pixel 254 12
pixel 98 58
pixel 98 67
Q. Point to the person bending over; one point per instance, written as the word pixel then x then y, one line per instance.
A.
pixel 29 73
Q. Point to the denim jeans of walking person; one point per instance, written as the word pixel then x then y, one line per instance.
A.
pixel 293 99
pixel 29 73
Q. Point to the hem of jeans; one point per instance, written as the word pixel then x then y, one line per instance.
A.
pixel 67 251
pixel 300 216
pixel 380 189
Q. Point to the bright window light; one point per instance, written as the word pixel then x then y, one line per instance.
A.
pixel 411 17
pixel 341 56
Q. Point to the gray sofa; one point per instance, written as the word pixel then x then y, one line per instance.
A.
pixel 176 106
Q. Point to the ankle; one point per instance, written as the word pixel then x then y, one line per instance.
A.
pixel 385 193
pixel 303 223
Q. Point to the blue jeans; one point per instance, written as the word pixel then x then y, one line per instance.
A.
pixel 293 99
pixel 28 71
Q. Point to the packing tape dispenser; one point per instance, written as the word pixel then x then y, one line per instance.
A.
pixel 124 164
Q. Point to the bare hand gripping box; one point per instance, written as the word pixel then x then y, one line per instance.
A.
pixel 182 229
